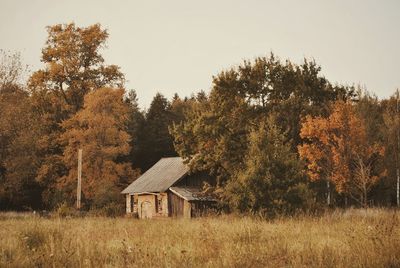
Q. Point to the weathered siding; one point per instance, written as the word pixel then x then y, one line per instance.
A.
pixel 175 205
pixel 146 206
pixel 178 207
pixel 135 204
pixel 162 204
pixel 150 205
pixel 128 203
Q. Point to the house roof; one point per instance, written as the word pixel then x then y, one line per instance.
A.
pixel 191 194
pixel 159 177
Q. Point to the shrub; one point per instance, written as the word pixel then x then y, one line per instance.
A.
pixel 64 210
pixel 112 209
pixel 33 239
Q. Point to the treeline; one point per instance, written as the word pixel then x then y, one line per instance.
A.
pixel 76 101
pixel 279 137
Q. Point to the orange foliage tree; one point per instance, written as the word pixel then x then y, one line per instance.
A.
pixel 100 130
pixel 337 150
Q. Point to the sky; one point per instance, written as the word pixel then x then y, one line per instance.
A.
pixel 177 46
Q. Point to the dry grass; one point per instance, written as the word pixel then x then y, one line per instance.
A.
pixel 342 239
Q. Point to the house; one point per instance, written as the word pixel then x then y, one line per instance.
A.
pixel 168 190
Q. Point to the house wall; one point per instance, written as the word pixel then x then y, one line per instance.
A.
pixel 178 206
pixel 164 205
pixel 128 203
pixel 151 205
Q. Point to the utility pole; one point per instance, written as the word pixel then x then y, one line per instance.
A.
pixel 398 148
pixel 328 196
pixel 79 186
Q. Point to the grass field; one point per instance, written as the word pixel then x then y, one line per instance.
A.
pixel 353 238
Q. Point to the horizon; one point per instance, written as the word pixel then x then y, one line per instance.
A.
pixel 177 47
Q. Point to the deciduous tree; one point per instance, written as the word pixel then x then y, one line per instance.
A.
pixel 74 67
pixel 19 134
pixel 99 129
pixel 337 149
pixel 272 180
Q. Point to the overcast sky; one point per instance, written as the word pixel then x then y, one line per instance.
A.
pixel 177 46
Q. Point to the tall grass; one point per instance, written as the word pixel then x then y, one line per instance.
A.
pixel 356 238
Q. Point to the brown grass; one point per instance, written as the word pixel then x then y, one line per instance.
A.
pixel 355 238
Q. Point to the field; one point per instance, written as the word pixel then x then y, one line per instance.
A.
pixel 352 238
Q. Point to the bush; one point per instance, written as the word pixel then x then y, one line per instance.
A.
pixel 112 209
pixel 64 210
pixel 33 239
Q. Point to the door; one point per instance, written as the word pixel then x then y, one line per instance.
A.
pixel 146 208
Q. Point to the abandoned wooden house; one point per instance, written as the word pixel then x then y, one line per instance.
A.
pixel 168 190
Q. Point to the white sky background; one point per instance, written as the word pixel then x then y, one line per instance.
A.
pixel 177 46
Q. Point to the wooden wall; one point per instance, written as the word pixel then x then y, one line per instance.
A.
pixel 164 205
pixel 128 203
pixel 178 206
pixel 148 205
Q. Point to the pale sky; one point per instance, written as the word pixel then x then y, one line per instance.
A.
pixel 172 46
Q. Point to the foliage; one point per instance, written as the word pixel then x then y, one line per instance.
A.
pixel 99 129
pixel 390 128
pixel 77 101
pixel 157 141
pixel 19 134
pixel 338 150
pixel 214 135
pixel 135 128
pixel 73 68
pixel 272 180
pixel 65 210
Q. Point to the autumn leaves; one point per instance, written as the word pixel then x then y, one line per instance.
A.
pixel 337 149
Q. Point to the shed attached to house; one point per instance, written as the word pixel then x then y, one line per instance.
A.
pixel 167 190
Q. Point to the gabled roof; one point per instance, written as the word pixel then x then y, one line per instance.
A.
pixel 191 194
pixel 159 177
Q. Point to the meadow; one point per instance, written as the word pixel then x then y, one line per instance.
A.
pixel 351 238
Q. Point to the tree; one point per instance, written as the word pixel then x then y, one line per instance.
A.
pixel 11 69
pixel 272 180
pixel 19 134
pixel 337 149
pixel 74 65
pixel 157 141
pixel 99 129
pixel 135 128
pixel 73 68
pixel 391 131
pixel 214 135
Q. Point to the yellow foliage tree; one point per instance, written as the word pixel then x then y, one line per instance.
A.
pixel 337 150
pixel 99 129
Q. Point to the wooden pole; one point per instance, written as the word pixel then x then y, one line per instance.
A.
pixel 328 196
pixel 398 149
pixel 79 186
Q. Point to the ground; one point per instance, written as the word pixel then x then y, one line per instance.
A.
pixel 352 238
